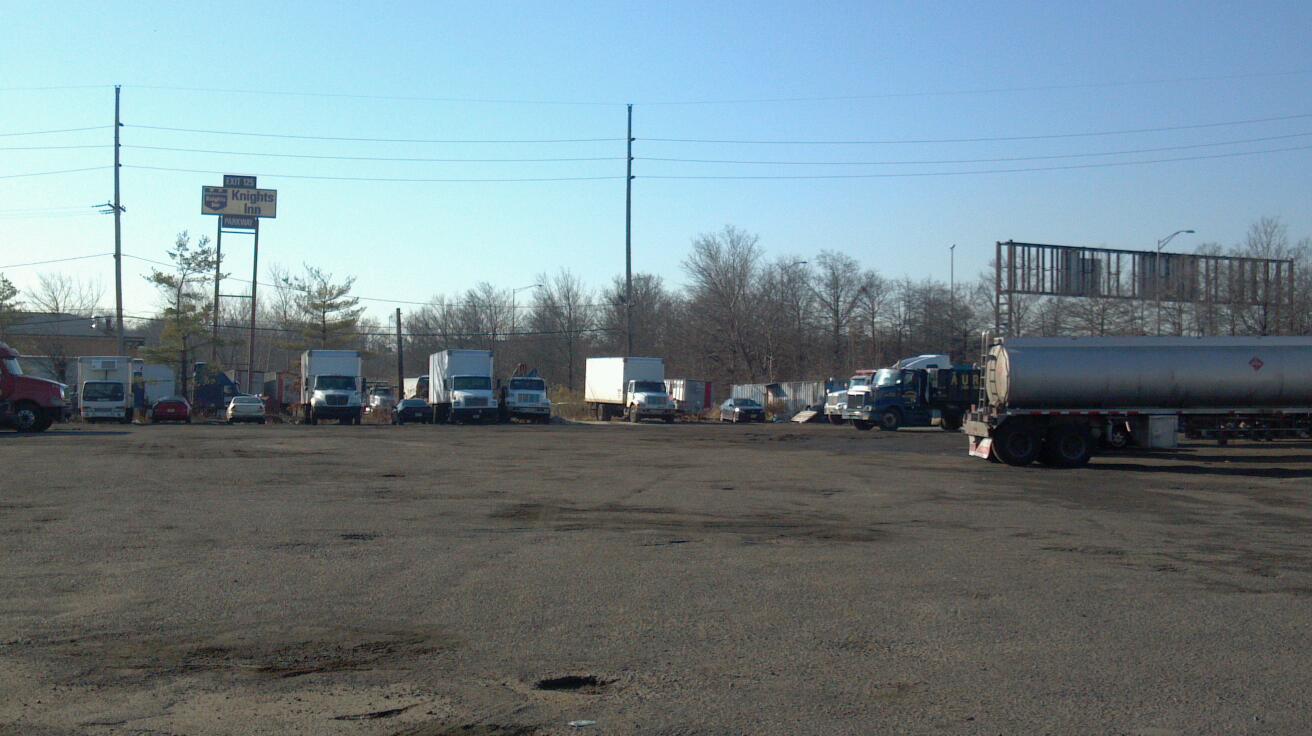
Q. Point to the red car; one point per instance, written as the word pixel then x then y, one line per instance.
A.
pixel 171 409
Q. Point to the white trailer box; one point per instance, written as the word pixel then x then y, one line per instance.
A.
pixel 460 385
pixel 158 381
pixel 689 396
pixel 331 382
pixel 105 388
pixel 629 387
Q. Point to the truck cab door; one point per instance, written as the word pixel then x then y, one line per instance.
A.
pixel 912 390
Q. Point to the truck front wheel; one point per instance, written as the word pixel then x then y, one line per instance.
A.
pixel 863 425
pixel 835 419
pixel 890 420
pixel 1016 443
pixel 635 415
pixel 29 417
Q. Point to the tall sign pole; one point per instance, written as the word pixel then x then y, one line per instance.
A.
pixel 250 350
pixel 628 242
pixel 218 276
pixel 240 206
pixel 118 230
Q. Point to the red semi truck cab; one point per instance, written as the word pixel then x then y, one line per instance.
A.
pixel 27 404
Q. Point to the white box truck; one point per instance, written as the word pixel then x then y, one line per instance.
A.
pixel 632 388
pixel 331 383
pixel 460 386
pixel 105 388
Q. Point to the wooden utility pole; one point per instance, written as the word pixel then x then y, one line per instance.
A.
pixel 400 359
pixel 628 242
pixel 118 230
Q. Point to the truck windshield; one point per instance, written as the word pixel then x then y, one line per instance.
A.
pixel 102 391
pixel 334 383
pixel 887 377
pixel 527 384
pixel 12 367
pixel 471 383
pixel 859 381
pixel 649 387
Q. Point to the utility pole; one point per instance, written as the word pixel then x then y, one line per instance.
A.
pixel 255 275
pixel 118 230
pixel 628 242
pixel 400 359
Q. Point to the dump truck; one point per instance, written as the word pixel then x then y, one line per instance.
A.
pixel 332 383
pixel 28 404
pixel 1058 400
pixel 460 386
pixel 631 388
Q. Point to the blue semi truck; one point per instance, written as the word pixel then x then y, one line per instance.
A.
pixel 914 393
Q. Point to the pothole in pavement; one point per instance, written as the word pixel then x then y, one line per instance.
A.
pixel 571 683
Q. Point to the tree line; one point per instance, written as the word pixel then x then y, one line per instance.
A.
pixel 740 316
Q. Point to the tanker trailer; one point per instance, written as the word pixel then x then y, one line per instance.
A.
pixel 1056 399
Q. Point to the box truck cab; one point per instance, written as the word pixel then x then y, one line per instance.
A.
pixel 633 388
pixel 460 386
pixel 331 383
pixel 526 398
pixel 105 388
pixel 27 404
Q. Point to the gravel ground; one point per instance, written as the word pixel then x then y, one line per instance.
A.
pixel 686 579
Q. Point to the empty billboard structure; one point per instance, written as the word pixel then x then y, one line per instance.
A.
pixel 1108 273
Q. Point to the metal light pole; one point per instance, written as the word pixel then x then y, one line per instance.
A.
pixel 512 303
pixel 1157 274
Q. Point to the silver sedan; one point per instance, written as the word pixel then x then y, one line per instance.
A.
pixel 245 409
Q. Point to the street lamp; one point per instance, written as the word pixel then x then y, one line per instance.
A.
pixel 512 303
pixel 1157 274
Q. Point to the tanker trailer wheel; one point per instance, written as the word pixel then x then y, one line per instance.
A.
pixel 890 420
pixel 1067 446
pixel 1016 443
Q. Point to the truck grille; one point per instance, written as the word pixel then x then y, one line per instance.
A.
pixel 334 400
pixel 526 398
pixel 476 401
pixel 855 400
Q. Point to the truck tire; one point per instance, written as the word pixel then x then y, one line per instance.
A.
pixel 635 415
pixel 1067 446
pixel 668 420
pixel 950 422
pixel 28 417
pixel 863 425
pixel 835 418
pixel 890 420
pixel 1017 443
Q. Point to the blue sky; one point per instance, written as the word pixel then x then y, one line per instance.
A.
pixel 917 71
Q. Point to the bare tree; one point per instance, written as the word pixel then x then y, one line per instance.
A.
pixel 723 270
pixel 837 289
pixel 562 311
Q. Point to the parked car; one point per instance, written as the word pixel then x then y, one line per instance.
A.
pixel 170 409
pixel 245 409
pixel 413 410
pixel 742 410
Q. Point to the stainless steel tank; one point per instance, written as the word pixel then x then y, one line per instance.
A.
pixel 1203 373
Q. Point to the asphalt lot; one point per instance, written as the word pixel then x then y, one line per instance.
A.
pixel 706 579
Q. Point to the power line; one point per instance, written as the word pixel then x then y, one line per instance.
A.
pixel 377 158
pixel 986 139
pixel 374 140
pixel 51 209
pixel 54 148
pixel 977 160
pixel 48 132
pixel 385 179
pixel 994 171
pixel 727 101
pixel 56 260
pixel 52 173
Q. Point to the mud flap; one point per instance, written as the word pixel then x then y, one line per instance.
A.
pixel 981 447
